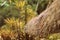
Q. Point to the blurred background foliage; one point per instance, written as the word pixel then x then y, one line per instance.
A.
pixel 14 14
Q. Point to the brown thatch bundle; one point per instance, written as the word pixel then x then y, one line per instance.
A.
pixel 46 23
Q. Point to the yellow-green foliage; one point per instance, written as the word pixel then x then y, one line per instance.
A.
pixel 55 36
pixel 26 11
pixel 13 22
pixel 20 4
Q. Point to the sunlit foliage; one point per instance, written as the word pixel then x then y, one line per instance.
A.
pixel 14 23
